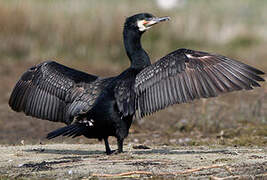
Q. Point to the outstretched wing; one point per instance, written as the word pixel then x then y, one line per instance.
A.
pixel 185 75
pixel 47 90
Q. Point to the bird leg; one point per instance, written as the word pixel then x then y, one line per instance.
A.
pixel 108 150
pixel 120 145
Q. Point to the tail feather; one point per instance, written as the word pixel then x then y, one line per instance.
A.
pixel 74 132
pixel 71 130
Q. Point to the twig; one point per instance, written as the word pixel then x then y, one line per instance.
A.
pixel 231 177
pixel 195 170
pixel 123 174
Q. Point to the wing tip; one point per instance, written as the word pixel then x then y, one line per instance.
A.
pixel 17 96
pixel 257 71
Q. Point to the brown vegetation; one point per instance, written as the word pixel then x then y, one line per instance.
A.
pixel 88 36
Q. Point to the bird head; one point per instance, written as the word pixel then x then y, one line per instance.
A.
pixel 143 21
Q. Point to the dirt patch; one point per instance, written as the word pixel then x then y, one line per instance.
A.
pixel 86 161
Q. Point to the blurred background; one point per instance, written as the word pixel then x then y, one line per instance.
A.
pixel 87 35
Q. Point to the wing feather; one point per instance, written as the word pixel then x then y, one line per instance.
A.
pixel 185 75
pixel 45 90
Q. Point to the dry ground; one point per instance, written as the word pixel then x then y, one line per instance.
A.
pixel 64 161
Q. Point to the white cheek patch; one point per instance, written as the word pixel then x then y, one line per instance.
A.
pixel 141 26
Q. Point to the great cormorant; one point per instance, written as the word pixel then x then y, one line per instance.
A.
pixel 101 107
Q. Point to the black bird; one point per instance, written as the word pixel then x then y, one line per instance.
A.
pixel 98 107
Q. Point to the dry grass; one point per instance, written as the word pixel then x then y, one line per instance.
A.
pixel 88 35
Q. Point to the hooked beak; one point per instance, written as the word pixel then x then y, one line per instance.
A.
pixel 156 20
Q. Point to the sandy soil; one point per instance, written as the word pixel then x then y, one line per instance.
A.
pixel 63 161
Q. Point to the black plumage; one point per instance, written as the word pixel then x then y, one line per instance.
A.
pixel 101 107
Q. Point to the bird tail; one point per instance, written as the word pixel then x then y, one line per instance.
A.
pixel 72 130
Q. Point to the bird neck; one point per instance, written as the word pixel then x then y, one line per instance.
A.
pixel 137 55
